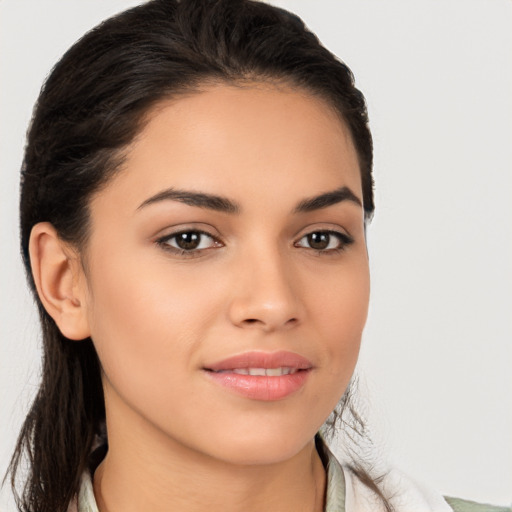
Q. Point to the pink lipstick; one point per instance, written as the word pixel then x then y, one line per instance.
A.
pixel 262 375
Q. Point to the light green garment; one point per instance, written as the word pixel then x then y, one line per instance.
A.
pixel 334 498
pixel 459 505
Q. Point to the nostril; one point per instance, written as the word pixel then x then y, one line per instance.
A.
pixel 255 321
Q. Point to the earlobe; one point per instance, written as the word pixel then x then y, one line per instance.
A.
pixel 59 280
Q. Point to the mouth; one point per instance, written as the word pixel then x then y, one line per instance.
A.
pixel 262 372
pixel 282 362
pixel 261 376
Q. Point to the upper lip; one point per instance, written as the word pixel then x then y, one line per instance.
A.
pixel 282 359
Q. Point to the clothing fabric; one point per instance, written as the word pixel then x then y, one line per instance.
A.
pixel 346 493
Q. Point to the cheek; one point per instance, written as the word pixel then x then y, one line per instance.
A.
pixel 340 313
pixel 146 322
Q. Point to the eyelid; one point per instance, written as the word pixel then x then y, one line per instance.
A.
pixel 345 239
pixel 163 240
pixel 325 227
pixel 170 236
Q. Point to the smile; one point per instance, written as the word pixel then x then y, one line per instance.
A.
pixel 260 375
pixel 262 372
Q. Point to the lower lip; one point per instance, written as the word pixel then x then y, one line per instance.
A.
pixel 261 387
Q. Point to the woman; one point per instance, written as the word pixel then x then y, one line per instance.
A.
pixel 180 148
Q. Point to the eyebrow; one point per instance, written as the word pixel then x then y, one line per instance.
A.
pixel 327 199
pixel 199 199
pixel 225 205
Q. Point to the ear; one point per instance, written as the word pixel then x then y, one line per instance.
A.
pixel 59 280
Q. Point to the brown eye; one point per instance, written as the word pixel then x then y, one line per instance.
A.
pixel 189 241
pixel 319 241
pixel 325 241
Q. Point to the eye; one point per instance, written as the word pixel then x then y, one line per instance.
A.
pixel 325 241
pixel 188 241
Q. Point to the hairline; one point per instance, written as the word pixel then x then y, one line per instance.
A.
pixel 118 156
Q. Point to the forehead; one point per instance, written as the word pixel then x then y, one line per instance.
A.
pixel 258 140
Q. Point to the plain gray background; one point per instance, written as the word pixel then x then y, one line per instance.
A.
pixel 437 350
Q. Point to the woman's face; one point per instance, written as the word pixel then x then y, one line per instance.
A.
pixel 227 274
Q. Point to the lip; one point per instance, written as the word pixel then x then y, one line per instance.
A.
pixel 261 387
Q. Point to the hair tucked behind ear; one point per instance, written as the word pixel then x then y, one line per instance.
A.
pixel 91 107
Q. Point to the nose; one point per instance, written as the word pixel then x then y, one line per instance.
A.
pixel 266 295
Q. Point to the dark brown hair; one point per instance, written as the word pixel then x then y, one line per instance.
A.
pixel 91 107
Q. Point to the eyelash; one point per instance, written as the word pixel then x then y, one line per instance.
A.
pixel 164 243
pixel 344 241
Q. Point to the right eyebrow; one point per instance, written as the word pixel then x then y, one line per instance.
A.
pixel 192 198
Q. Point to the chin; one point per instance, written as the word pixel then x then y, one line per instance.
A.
pixel 261 447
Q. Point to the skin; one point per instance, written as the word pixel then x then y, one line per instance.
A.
pixel 177 440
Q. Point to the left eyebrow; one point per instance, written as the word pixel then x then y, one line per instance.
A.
pixel 327 199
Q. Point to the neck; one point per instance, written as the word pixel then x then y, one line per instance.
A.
pixel 148 471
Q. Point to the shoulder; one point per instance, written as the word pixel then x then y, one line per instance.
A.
pixel 459 505
pixel 347 493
